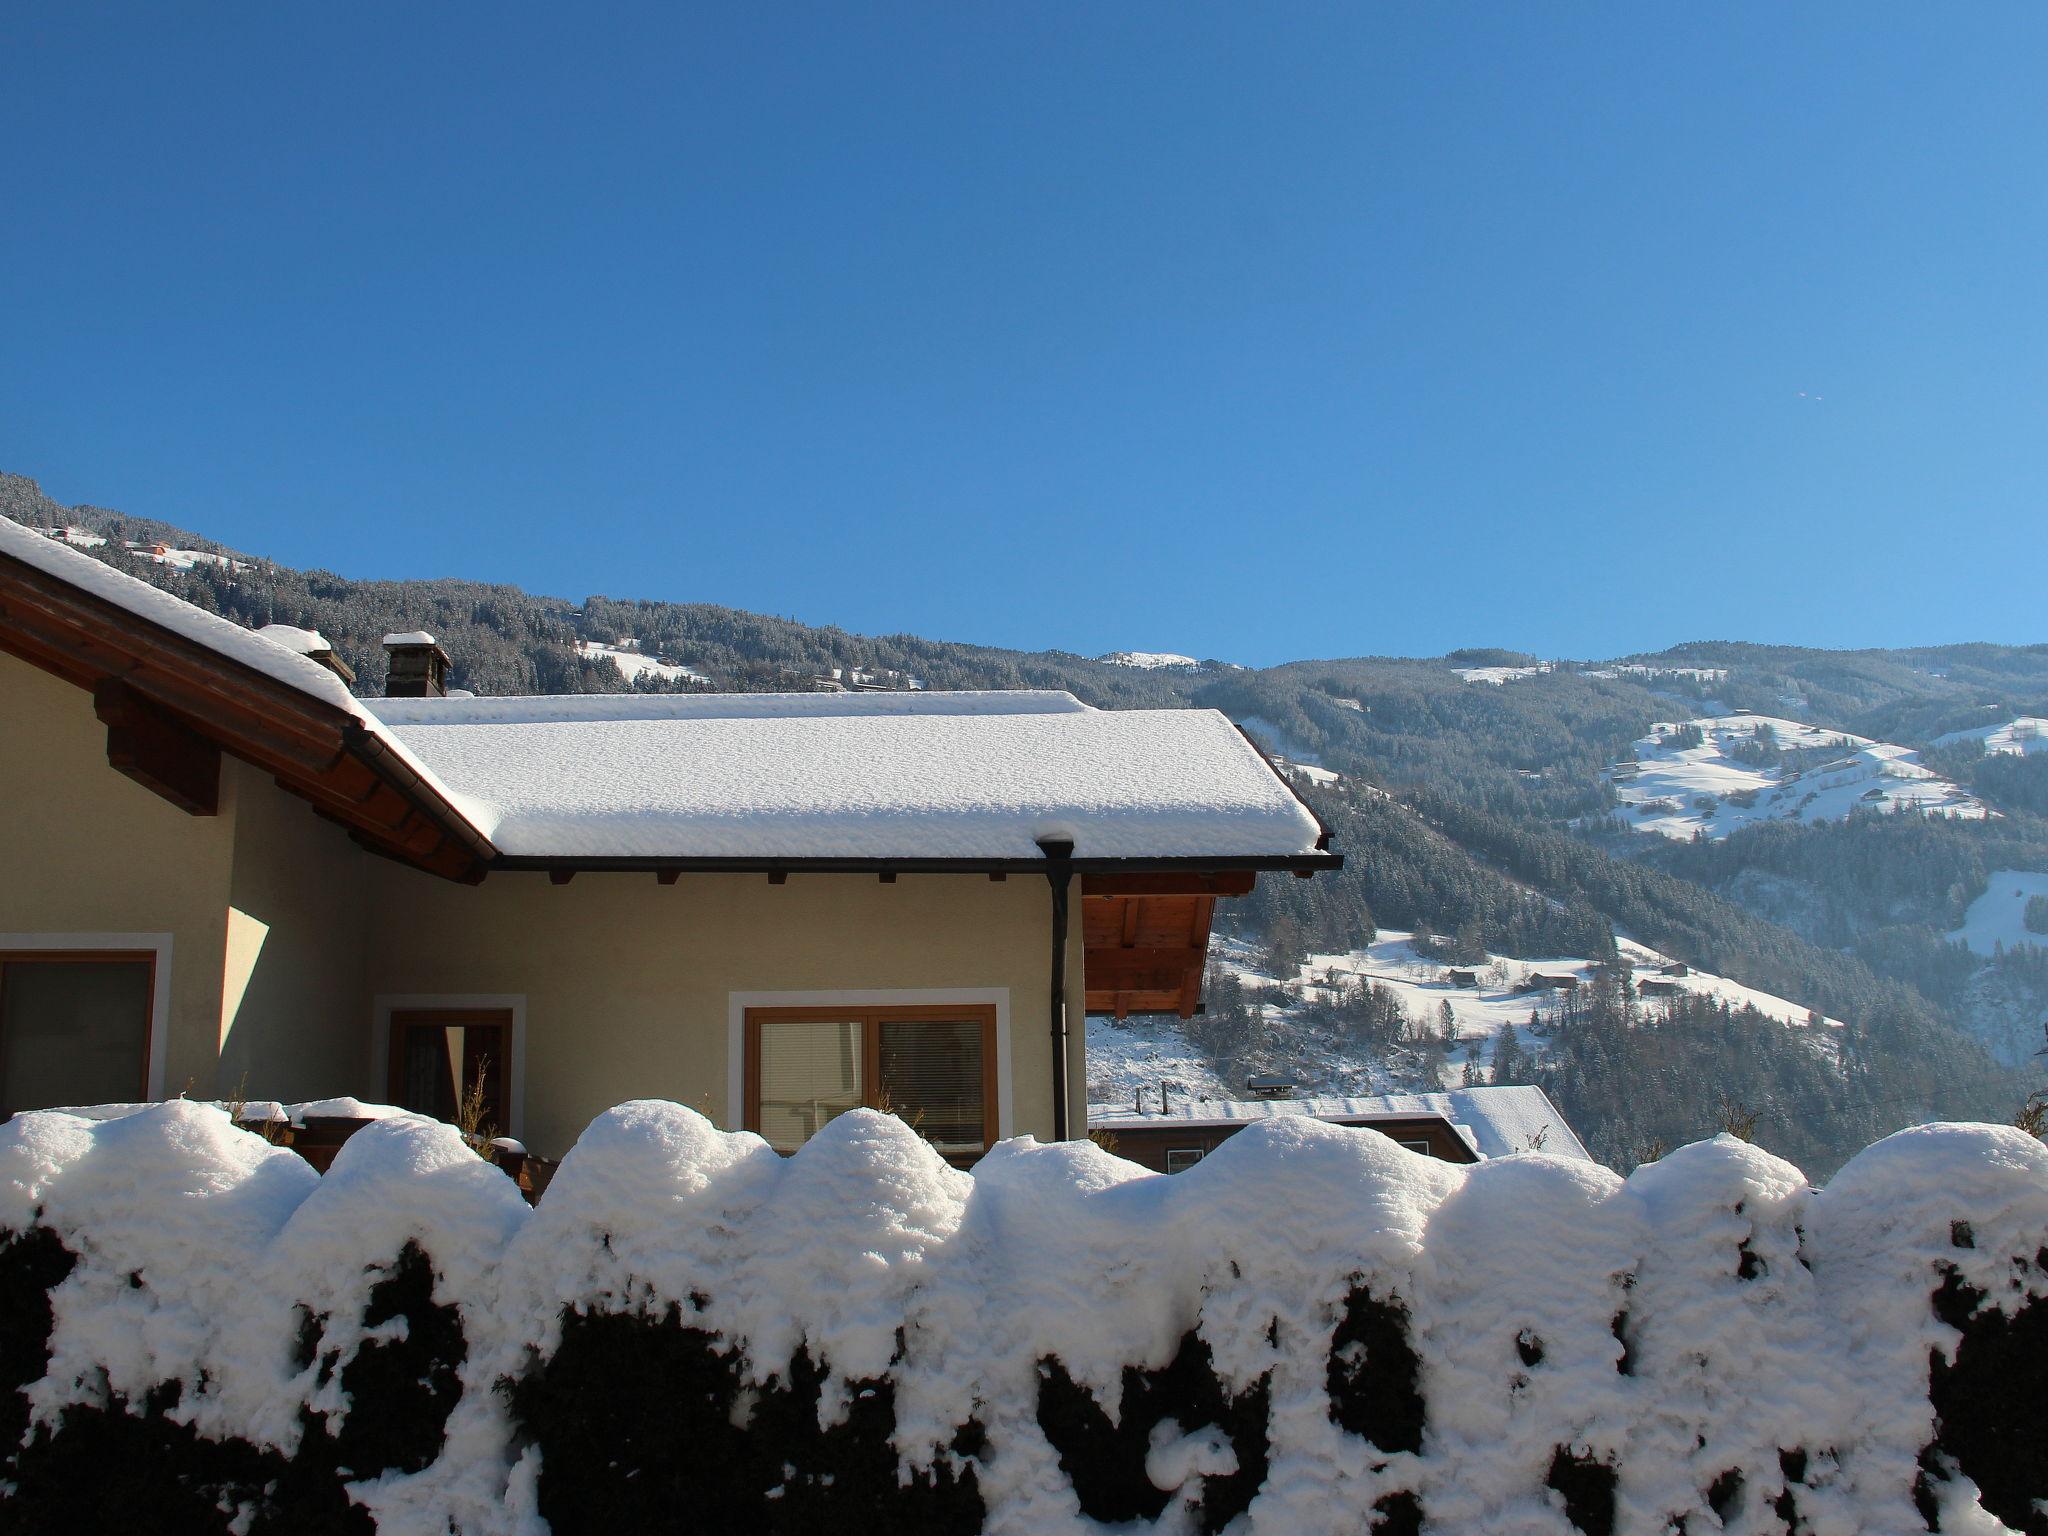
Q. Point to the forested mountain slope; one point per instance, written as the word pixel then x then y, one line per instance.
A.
pixel 1474 796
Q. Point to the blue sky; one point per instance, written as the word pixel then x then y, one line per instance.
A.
pixel 1251 331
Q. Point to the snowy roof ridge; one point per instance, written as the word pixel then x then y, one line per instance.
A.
pixel 589 708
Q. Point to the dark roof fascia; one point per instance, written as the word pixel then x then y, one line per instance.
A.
pixel 1191 864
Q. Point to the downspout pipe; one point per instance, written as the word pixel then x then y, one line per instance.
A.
pixel 1059 870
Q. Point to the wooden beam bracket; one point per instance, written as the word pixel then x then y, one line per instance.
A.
pixel 157 750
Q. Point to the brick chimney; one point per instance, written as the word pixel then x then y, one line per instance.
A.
pixel 312 645
pixel 418 667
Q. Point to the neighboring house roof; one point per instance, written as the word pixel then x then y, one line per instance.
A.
pixel 906 776
pixel 1499 1121
pixel 461 785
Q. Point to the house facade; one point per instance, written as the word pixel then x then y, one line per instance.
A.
pixel 227 875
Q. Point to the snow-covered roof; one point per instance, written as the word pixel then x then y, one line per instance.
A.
pixel 1499 1121
pixel 910 776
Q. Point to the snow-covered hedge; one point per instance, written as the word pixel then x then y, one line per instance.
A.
pixel 1312 1331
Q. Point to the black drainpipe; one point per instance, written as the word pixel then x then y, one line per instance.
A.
pixel 1059 869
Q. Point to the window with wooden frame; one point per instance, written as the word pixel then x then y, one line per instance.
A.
pixel 441 1057
pixel 74 1027
pixel 935 1067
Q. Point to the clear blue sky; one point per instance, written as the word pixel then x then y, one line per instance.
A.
pixel 1255 331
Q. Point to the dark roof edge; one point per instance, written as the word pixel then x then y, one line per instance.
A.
pixel 1272 862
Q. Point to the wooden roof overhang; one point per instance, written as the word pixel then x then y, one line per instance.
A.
pixel 172 706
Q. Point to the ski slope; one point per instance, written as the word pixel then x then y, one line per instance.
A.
pixel 1678 791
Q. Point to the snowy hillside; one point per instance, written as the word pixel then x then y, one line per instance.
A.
pixel 627 657
pixel 1998 916
pixel 2021 737
pixel 1720 773
pixel 1142 1053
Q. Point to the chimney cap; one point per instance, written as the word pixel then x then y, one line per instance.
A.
pixel 411 637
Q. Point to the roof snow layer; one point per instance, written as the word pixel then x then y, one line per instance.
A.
pixel 943 776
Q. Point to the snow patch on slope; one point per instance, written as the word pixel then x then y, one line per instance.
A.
pixel 1152 661
pixel 1998 916
pixel 633 665
pixel 2022 736
pixel 1499 675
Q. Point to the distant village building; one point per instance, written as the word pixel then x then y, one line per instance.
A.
pixel 1461 1126
pixel 1459 977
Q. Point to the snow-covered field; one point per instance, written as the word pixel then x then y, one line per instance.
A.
pixel 1642 672
pixel 2021 737
pixel 626 656
pixel 78 538
pixel 180 559
pixel 1499 675
pixel 1997 917
pixel 1678 791
pixel 1144 1053
pixel 1152 661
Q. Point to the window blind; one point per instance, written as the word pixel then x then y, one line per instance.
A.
pixel 810 1073
pixel 931 1075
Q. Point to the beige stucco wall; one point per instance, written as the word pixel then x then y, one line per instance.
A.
pixel 89 851
pixel 627 986
pixel 263 902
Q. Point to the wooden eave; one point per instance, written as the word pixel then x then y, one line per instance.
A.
pixel 170 704
pixel 1146 938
